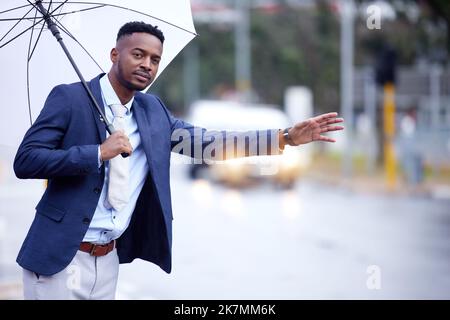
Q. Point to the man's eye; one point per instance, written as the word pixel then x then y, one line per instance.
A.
pixel 138 55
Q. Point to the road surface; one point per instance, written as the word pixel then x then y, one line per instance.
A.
pixel 313 242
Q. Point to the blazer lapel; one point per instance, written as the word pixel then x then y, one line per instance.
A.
pixel 94 85
pixel 144 130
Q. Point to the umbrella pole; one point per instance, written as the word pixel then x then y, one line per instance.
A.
pixel 55 31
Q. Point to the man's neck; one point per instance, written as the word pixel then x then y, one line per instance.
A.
pixel 124 94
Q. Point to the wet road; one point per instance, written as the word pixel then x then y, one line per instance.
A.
pixel 314 242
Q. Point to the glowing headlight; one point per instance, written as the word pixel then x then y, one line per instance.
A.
pixel 290 159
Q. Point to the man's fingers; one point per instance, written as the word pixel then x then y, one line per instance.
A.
pixel 120 142
pixel 330 128
pixel 126 147
pixel 331 121
pixel 326 116
pixel 326 139
pixel 120 137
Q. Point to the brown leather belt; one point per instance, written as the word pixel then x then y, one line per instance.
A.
pixel 97 250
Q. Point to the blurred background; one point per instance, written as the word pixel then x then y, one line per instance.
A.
pixel 365 218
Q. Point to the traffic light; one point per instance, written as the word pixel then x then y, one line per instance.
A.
pixel 385 66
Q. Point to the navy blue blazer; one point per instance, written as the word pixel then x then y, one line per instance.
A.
pixel 62 146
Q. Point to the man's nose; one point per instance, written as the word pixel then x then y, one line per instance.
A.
pixel 146 64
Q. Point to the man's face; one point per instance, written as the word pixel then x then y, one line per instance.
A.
pixel 136 60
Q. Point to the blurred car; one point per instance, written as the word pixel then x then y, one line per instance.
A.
pixel 282 170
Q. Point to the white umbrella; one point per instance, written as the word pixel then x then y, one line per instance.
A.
pixel 94 25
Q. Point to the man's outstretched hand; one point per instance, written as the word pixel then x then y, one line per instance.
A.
pixel 314 128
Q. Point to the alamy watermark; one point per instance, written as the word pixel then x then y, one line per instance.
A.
pixel 373 17
pixel 214 147
pixel 373 281
pixel 73 281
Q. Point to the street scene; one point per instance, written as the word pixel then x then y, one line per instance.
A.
pixel 350 199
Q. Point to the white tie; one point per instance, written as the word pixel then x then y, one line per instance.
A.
pixel 118 166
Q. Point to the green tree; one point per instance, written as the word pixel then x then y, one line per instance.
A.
pixel 301 46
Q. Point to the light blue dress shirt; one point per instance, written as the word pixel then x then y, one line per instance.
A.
pixel 108 224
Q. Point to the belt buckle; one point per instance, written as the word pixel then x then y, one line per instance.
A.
pixel 92 251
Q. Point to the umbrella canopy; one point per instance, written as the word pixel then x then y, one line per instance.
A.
pixel 32 63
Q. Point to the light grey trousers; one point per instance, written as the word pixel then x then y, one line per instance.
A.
pixel 85 278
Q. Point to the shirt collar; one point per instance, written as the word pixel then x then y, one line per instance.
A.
pixel 110 96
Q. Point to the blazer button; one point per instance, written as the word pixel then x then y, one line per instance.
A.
pixel 86 221
pixel 97 190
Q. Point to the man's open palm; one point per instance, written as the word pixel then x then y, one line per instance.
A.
pixel 314 128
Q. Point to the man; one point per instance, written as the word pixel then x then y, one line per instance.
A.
pixel 101 209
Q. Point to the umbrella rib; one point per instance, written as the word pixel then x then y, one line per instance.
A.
pixel 100 5
pixel 125 8
pixel 162 20
pixel 37 40
pixel 24 17
pixel 14 19
pixel 57 14
pixel 10 40
pixel 34 24
pixel 28 67
pixel 15 24
pixel 12 9
pixel 64 29
pixel 76 11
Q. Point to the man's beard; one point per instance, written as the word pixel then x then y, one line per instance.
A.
pixel 128 84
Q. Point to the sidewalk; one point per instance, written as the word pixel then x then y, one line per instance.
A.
pixel 328 171
pixel 11 291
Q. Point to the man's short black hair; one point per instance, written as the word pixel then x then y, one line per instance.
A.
pixel 139 26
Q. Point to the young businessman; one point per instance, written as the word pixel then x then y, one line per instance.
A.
pixel 99 208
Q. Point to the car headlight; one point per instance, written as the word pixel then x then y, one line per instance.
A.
pixel 290 159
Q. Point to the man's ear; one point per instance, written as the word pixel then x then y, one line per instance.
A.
pixel 114 54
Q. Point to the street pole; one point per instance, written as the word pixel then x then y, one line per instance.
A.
pixel 191 74
pixel 370 110
pixel 435 104
pixel 347 25
pixel 390 159
pixel 242 49
pixel 435 95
